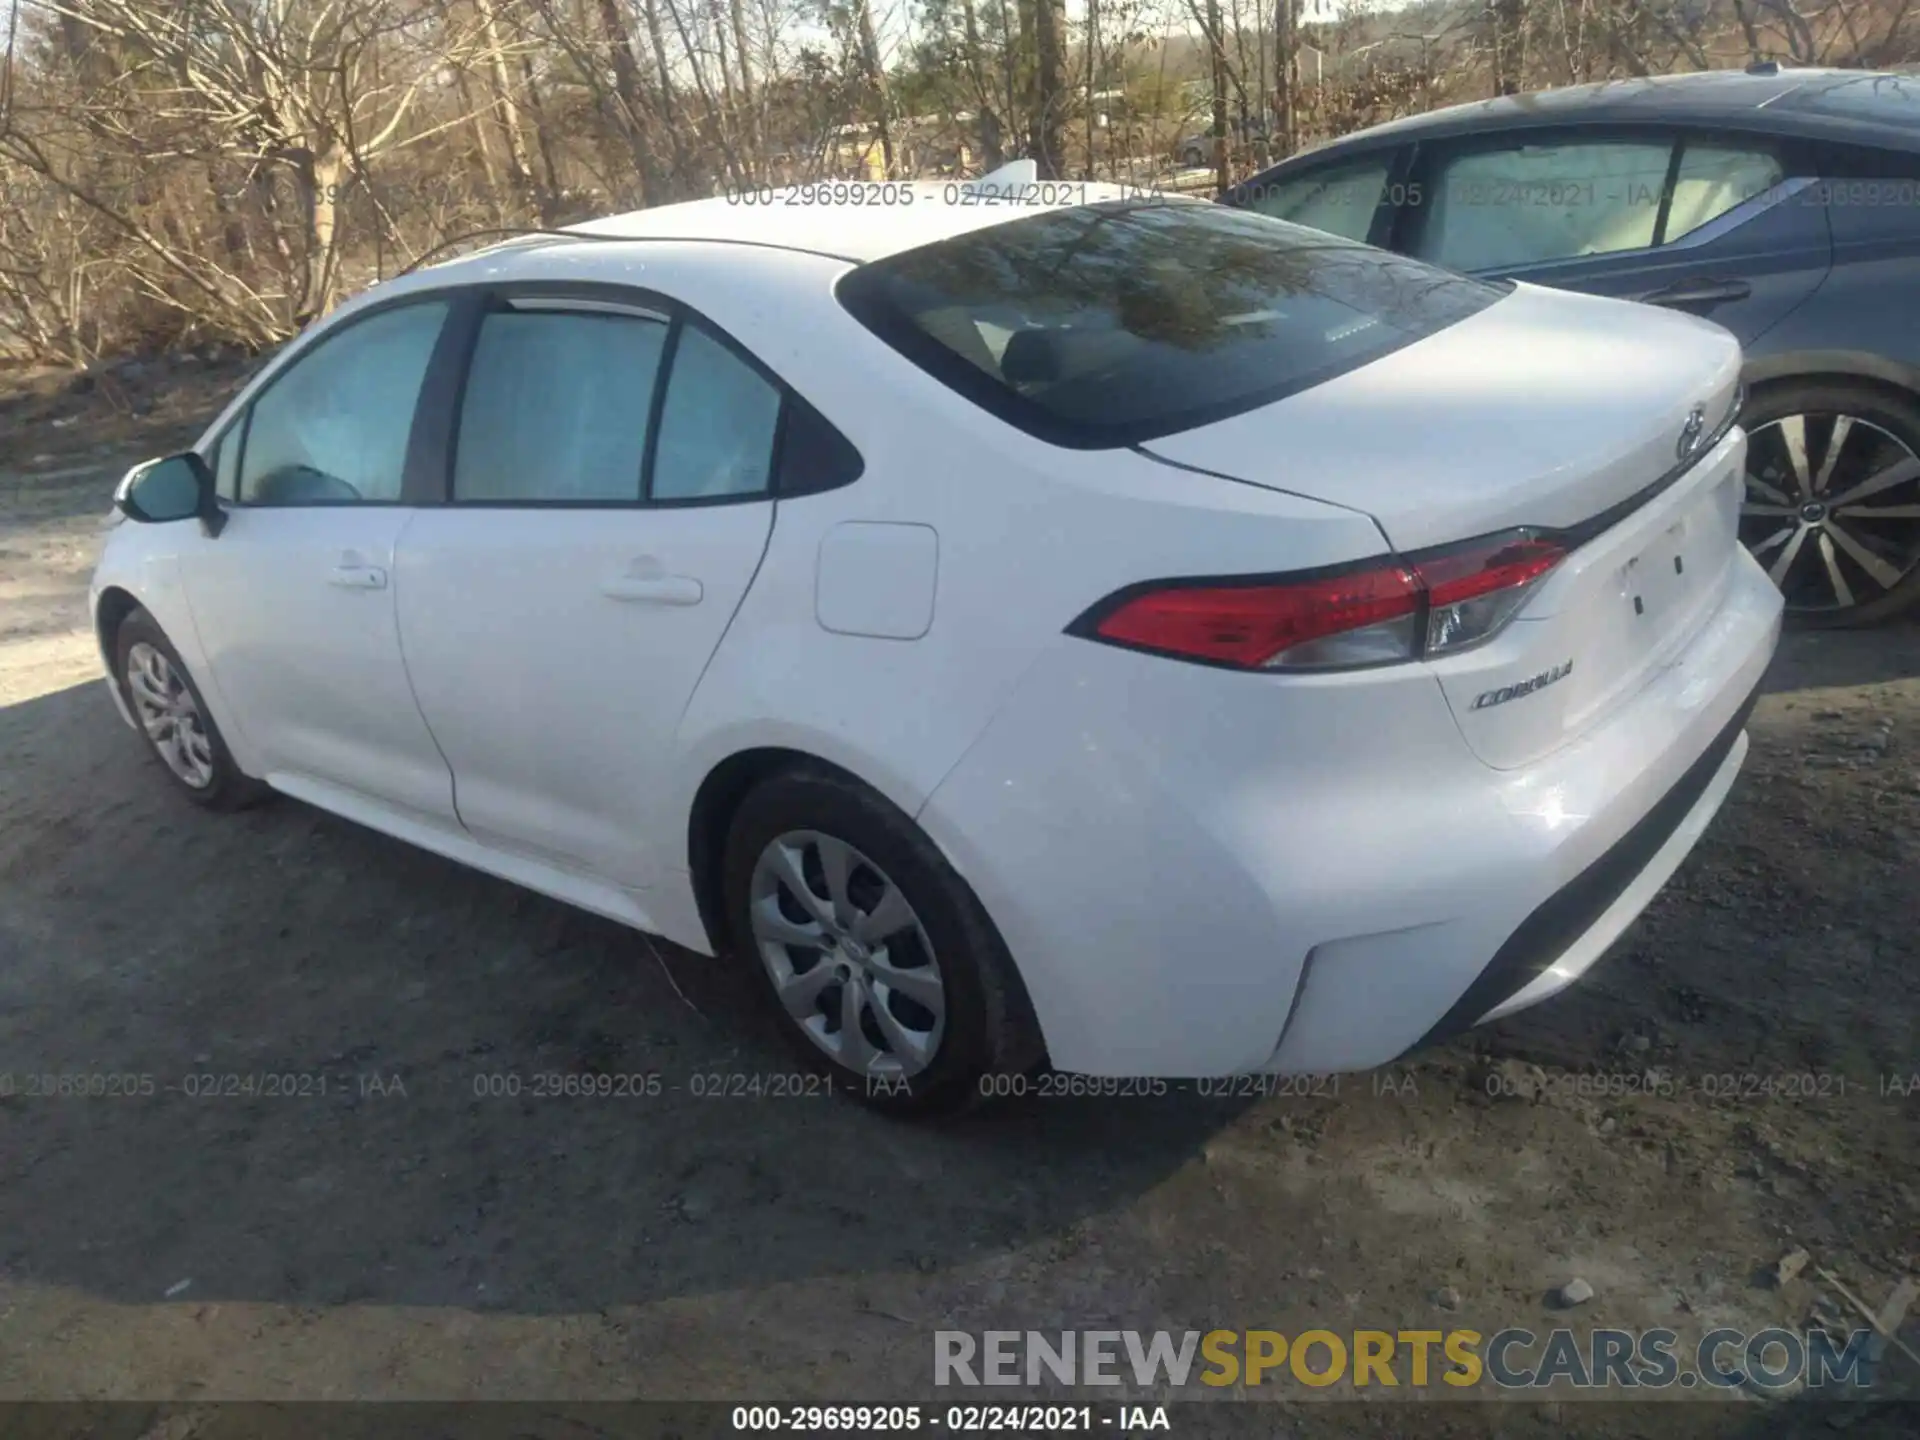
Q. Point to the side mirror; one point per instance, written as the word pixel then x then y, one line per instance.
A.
pixel 177 487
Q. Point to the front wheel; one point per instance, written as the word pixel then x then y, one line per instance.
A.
pixel 174 718
pixel 878 957
pixel 1832 508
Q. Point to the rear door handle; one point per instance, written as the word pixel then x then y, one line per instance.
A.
pixel 654 589
pixel 358 577
pixel 1699 291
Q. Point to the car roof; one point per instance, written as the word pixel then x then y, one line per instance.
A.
pixel 852 220
pixel 739 259
pixel 1777 100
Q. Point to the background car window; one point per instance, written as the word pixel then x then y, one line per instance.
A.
pixel 717 426
pixel 1713 179
pixel 1340 200
pixel 333 428
pixel 556 407
pixel 1494 209
pixel 1891 99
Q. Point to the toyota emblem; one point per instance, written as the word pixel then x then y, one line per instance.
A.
pixel 1691 432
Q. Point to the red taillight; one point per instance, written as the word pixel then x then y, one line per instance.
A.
pixel 1498 563
pixel 1250 625
pixel 1474 589
pixel 1436 602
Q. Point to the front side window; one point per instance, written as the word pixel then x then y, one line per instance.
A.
pixel 1339 199
pixel 1525 204
pixel 224 461
pixel 555 408
pixel 332 428
pixel 1109 324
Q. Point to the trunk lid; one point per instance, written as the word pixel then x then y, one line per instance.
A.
pixel 1613 614
pixel 1546 410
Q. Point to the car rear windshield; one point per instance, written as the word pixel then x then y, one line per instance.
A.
pixel 1109 324
pixel 1890 99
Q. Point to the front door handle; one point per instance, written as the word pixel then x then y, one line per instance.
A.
pixel 358 577
pixel 654 589
pixel 1700 290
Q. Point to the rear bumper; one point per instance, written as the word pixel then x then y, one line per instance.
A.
pixel 1561 939
pixel 1621 808
pixel 1200 872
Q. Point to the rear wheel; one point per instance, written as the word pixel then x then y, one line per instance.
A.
pixel 1832 505
pixel 878 957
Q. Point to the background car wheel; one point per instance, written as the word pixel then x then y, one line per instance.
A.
pixel 1194 157
pixel 1832 505
pixel 878 957
pixel 175 719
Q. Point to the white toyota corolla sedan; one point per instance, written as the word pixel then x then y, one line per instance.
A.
pixel 1022 623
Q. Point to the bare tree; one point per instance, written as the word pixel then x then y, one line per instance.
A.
pixel 176 169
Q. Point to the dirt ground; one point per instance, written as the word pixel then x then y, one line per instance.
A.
pixel 406 1235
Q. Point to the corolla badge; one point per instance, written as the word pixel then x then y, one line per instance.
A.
pixel 1692 432
pixel 1486 699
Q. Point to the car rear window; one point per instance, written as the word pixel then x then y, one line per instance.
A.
pixel 1890 99
pixel 1110 324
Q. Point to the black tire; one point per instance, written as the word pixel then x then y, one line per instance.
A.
pixel 989 1029
pixel 227 787
pixel 1813 600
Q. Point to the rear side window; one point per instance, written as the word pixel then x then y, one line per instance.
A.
pixel 1712 180
pixel 1106 325
pixel 717 425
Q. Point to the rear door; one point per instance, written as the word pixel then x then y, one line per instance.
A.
pixel 608 505
pixel 1722 225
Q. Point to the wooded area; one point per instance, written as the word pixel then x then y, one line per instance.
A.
pixel 220 171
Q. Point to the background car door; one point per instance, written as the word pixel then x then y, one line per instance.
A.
pixel 293 601
pixel 1722 226
pixel 609 507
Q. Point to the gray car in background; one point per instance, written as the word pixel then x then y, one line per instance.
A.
pixel 1782 204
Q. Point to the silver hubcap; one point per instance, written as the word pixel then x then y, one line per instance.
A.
pixel 169 715
pixel 849 958
pixel 1832 509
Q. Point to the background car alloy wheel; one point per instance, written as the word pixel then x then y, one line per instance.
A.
pixel 849 958
pixel 1832 511
pixel 170 715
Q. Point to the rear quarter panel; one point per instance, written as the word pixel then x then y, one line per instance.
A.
pixel 1862 320
pixel 1027 537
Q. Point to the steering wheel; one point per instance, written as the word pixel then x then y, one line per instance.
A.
pixel 303 485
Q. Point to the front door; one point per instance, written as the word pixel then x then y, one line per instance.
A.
pixel 294 599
